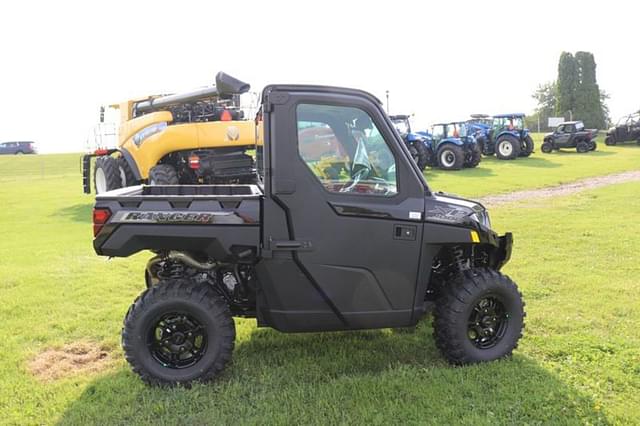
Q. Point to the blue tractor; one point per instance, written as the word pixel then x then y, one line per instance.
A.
pixel 415 142
pixel 507 137
pixel 452 145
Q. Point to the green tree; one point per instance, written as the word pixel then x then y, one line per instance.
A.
pixel 567 84
pixel 587 101
pixel 546 96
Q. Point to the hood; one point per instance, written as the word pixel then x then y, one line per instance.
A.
pixel 447 208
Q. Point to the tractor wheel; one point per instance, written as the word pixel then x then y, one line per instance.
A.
pixel 507 147
pixel 479 316
pixel 450 157
pixel 610 140
pixel 593 146
pixel 582 147
pixel 422 155
pixel 126 174
pixel 546 147
pixel 163 174
pixel 106 174
pixel 178 332
pixel 527 147
pixel 476 156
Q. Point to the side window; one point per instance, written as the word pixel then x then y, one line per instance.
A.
pixel 344 149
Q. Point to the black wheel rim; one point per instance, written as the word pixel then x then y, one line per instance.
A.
pixel 177 340
pixel 487 322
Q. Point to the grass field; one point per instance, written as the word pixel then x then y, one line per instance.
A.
pixel 575 259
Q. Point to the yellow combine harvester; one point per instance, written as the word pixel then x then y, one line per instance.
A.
pixel 189 138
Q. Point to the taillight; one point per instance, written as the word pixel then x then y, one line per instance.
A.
pixel 226 115
pixel 101 152
pixel 194 162
pixel 100 217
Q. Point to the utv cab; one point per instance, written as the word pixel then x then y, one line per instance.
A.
pixel 627 129
pixel 570 134
pixel 369 246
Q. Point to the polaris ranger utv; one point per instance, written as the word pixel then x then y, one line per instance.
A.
pixel 303 251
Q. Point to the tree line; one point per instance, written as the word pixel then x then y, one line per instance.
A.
pixel 575 94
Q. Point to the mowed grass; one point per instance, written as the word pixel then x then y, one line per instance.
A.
pixel 493 176
pixel 575 259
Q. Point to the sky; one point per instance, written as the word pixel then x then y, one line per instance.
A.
pixel 439 60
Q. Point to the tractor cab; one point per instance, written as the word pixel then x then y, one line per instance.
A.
pixel 415 142
pixel 507 138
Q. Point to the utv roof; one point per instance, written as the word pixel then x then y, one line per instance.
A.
pixel 515 114
pixel 476 116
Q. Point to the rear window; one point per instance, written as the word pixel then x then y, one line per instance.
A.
pixel 579 126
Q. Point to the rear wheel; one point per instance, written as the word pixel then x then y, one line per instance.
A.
pixel 178 332
pixel 478 317
pixel 106 174
pixel 546 147
pixel 163 174
pixel 507 147
pixel 610 140
pixel 527 146
pixel 593 146
pixel 450 157
pixel 19 153
pixel 582 147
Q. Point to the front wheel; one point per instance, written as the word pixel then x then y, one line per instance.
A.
pixel 527 146
pixel 475 156
pixel 546 147
pixel 507 147
pixel 593 146
pixel 422 155
pixel 610 141
pixel 450 157
pixel 178 332
pixel 478 317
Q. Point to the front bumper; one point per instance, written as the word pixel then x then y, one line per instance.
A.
pixel 502 252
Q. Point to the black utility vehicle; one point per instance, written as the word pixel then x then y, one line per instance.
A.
pixel 627 129
pixel 570 134
pixel 370 246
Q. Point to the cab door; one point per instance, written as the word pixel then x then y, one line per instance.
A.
pixel 343 210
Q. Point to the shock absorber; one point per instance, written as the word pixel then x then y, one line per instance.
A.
pixel 459 258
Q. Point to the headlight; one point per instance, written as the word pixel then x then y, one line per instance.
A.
pixel 482 218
